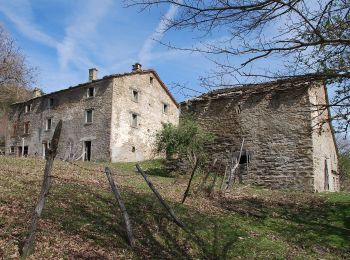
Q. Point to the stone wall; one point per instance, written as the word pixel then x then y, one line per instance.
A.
pixel 69 105
pixel 325 157
pixel 130 143
pixel 111 133
pixel 275 122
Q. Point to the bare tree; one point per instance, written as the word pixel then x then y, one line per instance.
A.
pixel 15 74
pixel 306 38
pixel 15 77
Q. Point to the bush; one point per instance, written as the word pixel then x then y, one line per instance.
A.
pixel 187 139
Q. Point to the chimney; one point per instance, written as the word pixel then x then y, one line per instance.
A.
pixel 136 67
pixel 92 74
pixel 37 92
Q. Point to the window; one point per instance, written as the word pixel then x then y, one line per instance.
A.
pixel 135 95
pixel 28 108
pixel 151 80
pixel 14 130
pixel 46 146
pixel 133 149
pixel 12 149
pixel 134 120
pixel 48 124
pixel 90 92
pixel 165 108
pixel 50 102
pixel 88 116
pixel 26 127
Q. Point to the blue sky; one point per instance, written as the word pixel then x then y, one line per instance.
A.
pixel 64 38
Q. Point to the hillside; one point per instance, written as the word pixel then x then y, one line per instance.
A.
pixel 81 219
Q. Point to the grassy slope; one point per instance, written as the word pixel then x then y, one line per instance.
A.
pixel 81 218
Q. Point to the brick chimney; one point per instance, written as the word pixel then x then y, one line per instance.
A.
pixel 92 74
pixel 37 92
pixel 137 67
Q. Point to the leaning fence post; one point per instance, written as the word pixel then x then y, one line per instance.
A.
pixel 162 201
pixel 122 207
pixel 207 174
pixel 172 214
pixel 44 189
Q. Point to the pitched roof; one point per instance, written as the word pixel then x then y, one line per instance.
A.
pixel 110 77
pixel 251 89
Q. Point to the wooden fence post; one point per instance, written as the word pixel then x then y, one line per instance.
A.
pixel 190 180
pixel 44 189
pixel 122 207
pixel 207 175
pixel 162 201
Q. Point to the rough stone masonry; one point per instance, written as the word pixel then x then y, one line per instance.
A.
pixel 110 119
pixel 286 146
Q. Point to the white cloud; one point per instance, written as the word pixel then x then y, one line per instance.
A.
pixel 81 34
pixel 145 55
pixel 78 44
pixel 20 13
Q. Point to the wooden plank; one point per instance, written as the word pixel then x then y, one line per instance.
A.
pixel 122 207
pixel 51 154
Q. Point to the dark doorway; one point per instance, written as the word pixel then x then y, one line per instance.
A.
pixel 25 151
pixel 87 150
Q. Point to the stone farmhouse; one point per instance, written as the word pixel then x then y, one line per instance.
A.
pixel 288 140
pixel 109 119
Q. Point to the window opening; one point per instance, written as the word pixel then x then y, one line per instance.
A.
pixel 28 108
pixel 50 102
pixel 91 92
pixel 26 127
pixel 88 116
pixel 48 124
pixel 134 120
pixel 165 108
pixel 135 95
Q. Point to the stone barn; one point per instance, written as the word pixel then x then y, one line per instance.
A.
pixel 288 140
pixel 109 119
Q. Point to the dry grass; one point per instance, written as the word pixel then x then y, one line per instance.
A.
pixel 81 219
